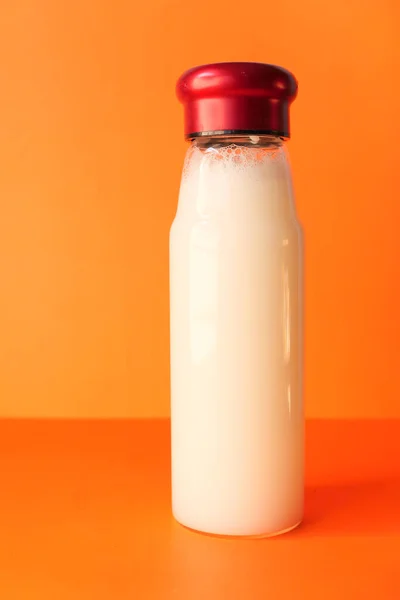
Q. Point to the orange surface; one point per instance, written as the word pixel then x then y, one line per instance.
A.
pixel 85 514
pixel 91 151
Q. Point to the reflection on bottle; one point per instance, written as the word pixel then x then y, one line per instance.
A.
pixel 203 291
pixel 286 316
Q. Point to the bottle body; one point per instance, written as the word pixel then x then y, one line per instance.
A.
pixel 236 301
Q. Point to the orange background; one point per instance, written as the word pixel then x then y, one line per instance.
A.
pixel 91 150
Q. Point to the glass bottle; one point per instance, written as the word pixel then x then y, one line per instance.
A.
pixel 236 302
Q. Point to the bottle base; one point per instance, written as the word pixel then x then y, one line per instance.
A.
pixel 260 536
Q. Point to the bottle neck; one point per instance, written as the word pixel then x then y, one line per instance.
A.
pixel 222 173
pixel 247 141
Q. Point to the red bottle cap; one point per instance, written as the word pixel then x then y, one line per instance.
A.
pixel 237 98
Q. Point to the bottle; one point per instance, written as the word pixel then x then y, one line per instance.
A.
pixel 236 302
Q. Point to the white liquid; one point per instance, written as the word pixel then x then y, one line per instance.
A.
pixel 236 345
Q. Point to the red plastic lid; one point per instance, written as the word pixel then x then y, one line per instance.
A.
pixel 236 98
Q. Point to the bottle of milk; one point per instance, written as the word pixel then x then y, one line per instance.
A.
pixel 236 301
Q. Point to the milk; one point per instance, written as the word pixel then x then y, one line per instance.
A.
pixel 236 342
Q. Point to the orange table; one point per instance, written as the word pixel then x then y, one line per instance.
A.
pixel 85 514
